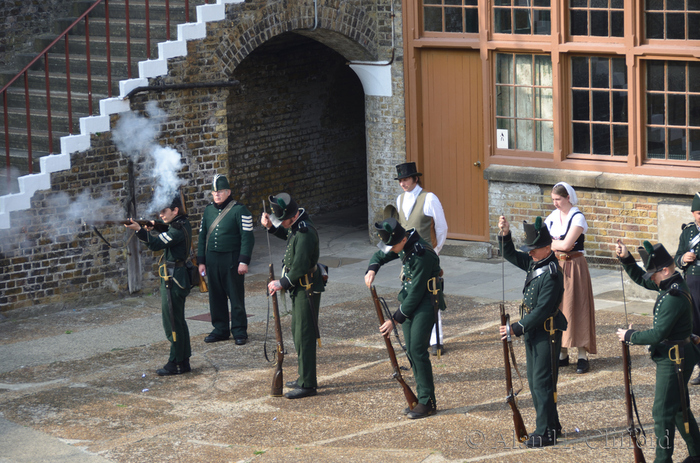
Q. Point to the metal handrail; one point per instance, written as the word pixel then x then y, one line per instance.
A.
pixel 45 55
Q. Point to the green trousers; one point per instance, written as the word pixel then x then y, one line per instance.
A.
pixel 304 335
pixel 226 284
pixel 180 350
pixel 539 377
pixel 667 411
pixel 416 333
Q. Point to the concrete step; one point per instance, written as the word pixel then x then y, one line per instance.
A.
pixel 57 82
pixel 40 137
pixel 98 46
pixel 59 99
pixel 137 9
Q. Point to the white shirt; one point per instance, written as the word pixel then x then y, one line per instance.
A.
pixel 557 229
pixel 431 208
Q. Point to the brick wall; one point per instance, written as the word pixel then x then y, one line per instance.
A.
pixel 610 215
pixel 299 122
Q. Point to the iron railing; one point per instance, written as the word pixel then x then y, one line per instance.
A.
pixel 23 76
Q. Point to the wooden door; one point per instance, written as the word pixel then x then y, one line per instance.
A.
pixel 452 148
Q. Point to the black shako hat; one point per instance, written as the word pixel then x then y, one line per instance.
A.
pixel 390 232
pixel 177 202
pixel 655 258
pixel 407 169
pixel 536 235
pixel 283 207
pixel 220 183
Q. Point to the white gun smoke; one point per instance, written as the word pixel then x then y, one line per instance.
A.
pixel 135 136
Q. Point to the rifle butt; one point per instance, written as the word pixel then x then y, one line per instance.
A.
pixel 519 425
pixel 411 398
pixel 638 454
pixel 203 287
pixel 277 382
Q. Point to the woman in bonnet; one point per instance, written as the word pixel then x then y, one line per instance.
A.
pixel 568 226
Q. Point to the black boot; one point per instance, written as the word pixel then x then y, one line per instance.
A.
pixel 421 411
pixel 175 368
pixel 301 392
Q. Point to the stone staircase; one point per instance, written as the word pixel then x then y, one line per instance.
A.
pixel 81 96
pixel 73 137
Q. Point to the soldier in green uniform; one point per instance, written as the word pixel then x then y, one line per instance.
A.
pixel 541 322
pixel 669 345
pixel 303 281
pixel 225 246
pixel 416 313
pixel 686 259
pixel 174 282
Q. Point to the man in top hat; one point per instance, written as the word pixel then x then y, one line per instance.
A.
pixel 174 281
pixel 416 312
pixel 670 347
pixel 686 259
pixel 421 210
pixel 303 281
pixel 225 246
pixel 541 322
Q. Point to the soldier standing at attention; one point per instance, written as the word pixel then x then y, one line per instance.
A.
pixel 416 314
pixel 225 246
pixel 686 259
pixel 302 279
pixel 670 347
pixel 422 211
pixel 174 282
pixel 541 323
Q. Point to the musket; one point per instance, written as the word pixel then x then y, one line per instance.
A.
pixel 277 377
pixel 160 227
pixel 630 402
pixel 407 392
pixel 518 423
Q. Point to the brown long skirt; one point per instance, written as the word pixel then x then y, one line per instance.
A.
pixel 577 305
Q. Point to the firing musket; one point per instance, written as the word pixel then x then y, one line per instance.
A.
pixel 407 392
pixel 160 227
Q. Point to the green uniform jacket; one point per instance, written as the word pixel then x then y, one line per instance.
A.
pixel 176 245
pixel 541 297
pixel 690 231
pixel 234 233
pixel 673 319
pixel 301 255
pixel 420 264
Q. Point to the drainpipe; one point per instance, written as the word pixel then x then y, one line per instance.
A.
pixel 166 87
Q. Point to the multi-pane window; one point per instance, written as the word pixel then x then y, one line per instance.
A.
pixel 599 105
pixel 597 18
pixel 524 107
pixel 672 19
pixel 531 17
pixel 450 16
pixel 673 110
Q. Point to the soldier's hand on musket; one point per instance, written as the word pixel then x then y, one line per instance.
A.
pixel 265 220
pixel 274 286
pixel 503 330
pixel 689 257
pixel 242 269
pixel 202 269
pixel 387 326
pixel 132 225
pixel 503 225
pixel 621 250
pixel 621 333
pixel 369 278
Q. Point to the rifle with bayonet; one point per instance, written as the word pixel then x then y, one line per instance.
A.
pixel 160 227
pixel 277 377
pixel 407 392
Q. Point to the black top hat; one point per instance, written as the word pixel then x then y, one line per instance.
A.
pixel 407 169
pixel 655 258
pixel 283 206
pixel 390 231
pixel 536 235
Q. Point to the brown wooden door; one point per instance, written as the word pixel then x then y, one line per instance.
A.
pixel 451 153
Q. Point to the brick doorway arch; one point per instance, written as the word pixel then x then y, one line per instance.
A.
pixel 296 123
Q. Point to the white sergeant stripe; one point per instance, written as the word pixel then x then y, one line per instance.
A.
pixel 165 238
pixel 247 222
